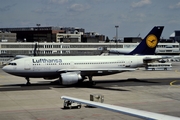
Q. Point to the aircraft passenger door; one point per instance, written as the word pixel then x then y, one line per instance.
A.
pixel 27 65
pixel 72 64
pixel 128 63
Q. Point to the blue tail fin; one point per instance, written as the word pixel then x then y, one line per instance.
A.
pixel 149 43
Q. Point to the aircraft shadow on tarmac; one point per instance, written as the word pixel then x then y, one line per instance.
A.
pixel 99 84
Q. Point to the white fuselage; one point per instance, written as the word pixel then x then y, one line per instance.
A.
pixel 48 66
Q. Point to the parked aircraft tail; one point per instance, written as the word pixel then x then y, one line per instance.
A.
pixel 149 43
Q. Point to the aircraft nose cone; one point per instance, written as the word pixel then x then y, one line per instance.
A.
pixel 4 68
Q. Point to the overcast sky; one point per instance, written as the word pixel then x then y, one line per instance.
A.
pixel 133 17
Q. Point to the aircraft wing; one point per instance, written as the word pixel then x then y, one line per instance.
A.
pixel 120 51
pixel 154 58
pixel 97 69
pixel 124 110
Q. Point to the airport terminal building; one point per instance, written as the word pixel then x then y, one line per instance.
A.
pixel 68 41
pixel 57 48
pixel 50 34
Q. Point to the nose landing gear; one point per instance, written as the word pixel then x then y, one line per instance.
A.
pixel 28 81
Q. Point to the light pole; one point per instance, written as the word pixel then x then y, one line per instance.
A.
pixel 116 26
pixel 38 25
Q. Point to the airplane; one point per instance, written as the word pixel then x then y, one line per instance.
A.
pixel 124 110
pixel 149 42
pixel 73 69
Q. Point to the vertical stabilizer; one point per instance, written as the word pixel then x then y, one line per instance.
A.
pixel 149 43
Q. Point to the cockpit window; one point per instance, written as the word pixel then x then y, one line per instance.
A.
pixel 12 64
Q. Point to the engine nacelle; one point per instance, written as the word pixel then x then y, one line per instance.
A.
pixel 70 78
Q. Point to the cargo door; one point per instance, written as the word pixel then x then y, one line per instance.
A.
pixel 128 63
pixel 27 65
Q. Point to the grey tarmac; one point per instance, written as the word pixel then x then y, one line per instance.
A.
pixel 155 91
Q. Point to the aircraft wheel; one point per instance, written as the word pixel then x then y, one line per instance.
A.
pixel 28 83
pixel 92 83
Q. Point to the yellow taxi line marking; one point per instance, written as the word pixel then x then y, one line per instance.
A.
pixel 171 83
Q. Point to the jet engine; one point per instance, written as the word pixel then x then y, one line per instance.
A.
pixel 70 78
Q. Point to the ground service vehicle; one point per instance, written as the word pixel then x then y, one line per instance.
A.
pixel 70 104
pixel 158 66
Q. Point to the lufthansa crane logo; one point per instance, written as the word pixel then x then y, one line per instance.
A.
pixel 151 41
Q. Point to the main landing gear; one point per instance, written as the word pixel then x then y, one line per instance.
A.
pixel 28 81
pixel 90 81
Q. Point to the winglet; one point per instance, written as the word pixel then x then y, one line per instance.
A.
pixel 149 43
